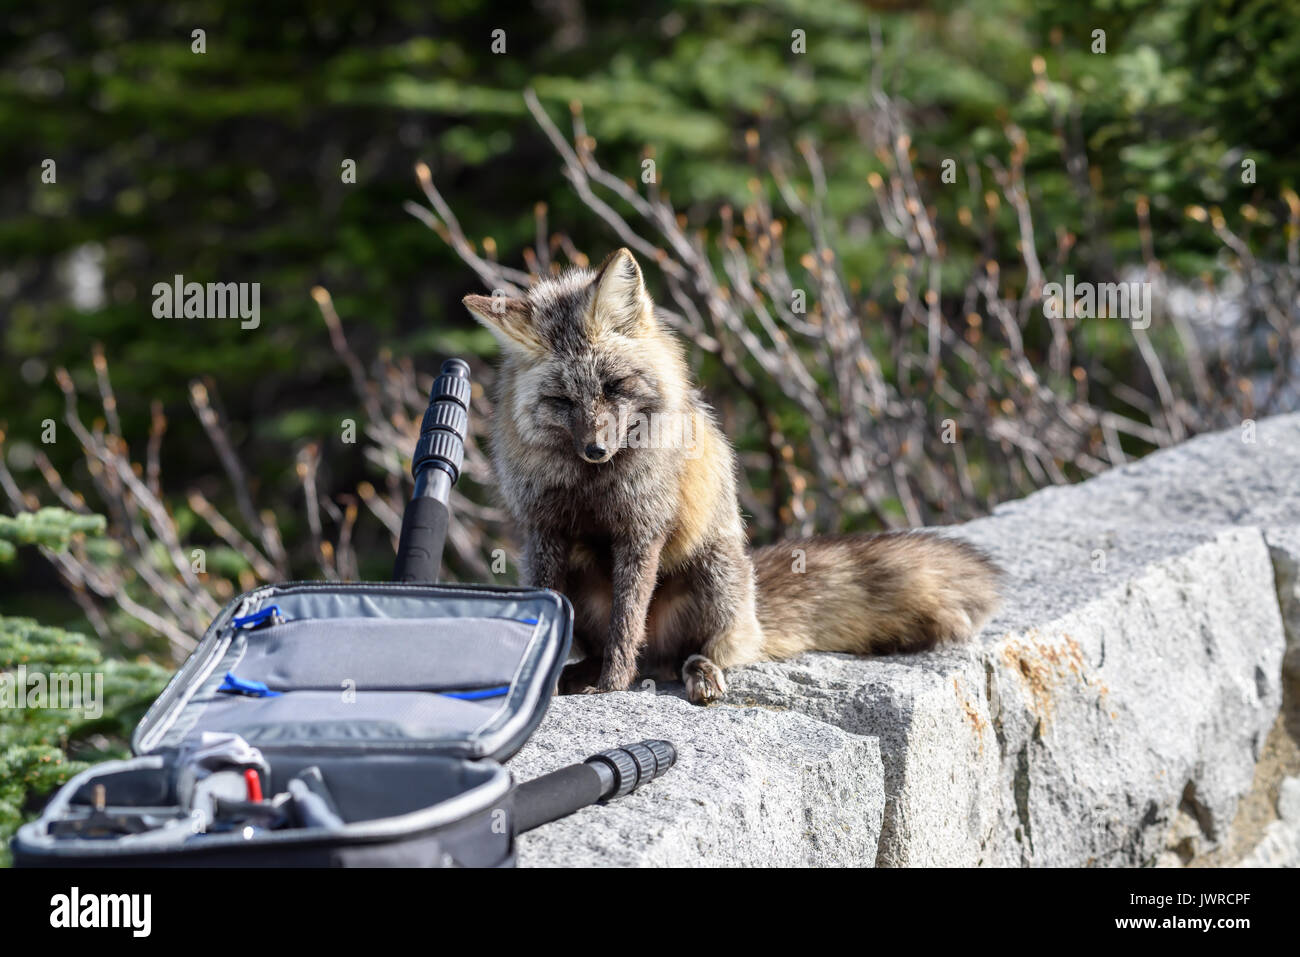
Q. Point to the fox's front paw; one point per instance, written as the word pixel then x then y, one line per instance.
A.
pixel 599 687
pixel 704 681
pixel 580 677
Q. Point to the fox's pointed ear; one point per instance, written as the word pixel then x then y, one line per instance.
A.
pixel 510 320
pixel 621 303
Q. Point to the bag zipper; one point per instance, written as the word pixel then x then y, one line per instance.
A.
pixel 270 613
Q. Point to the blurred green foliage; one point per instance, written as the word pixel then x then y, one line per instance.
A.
pixel 51 527
pixel 41 747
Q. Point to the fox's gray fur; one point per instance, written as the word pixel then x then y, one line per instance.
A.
pixel 648 542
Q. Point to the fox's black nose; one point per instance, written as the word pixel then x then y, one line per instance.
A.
pixel 595 451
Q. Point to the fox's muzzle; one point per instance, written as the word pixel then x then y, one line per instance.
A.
pixel 598 442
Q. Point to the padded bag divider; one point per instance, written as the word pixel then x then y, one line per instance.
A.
pixel 435 653
pixel 308 717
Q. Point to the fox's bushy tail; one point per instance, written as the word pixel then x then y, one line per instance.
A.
pixel 872 594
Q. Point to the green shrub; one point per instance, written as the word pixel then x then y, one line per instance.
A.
pixel 41 746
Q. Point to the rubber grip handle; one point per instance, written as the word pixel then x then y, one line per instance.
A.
pixel 556 795
pixel 419 549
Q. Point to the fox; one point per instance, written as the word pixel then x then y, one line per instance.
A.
pixel 646 538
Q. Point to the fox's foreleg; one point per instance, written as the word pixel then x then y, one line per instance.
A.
pixel 720 625
pixel 636 568
pixel 546 559
pixel 546 565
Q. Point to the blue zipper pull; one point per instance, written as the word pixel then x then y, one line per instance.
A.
pixel 270 613
pixel 254 689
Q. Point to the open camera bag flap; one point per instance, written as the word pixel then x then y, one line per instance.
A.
pixel 407 697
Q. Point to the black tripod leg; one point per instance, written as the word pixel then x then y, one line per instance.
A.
pixel 602 777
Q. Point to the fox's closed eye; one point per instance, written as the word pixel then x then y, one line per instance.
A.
pixel 559 401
